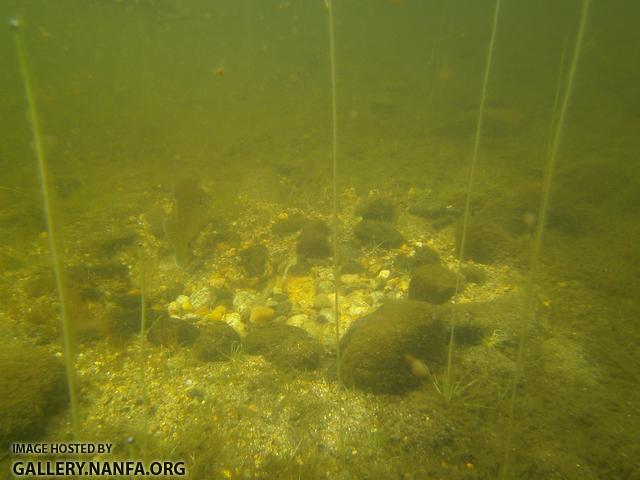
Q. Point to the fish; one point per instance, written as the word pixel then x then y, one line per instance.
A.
pixel 189 216
pixel 417 366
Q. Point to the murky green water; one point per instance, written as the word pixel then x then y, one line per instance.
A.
pixel 201 131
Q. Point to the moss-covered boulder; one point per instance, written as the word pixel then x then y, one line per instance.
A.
pixel 376 207
pixel 422 256
pixel 285 346
pixel 171 332
pixel 375 233
pixel 486 241
pixel 433 283
pixel 254 260
pixel 216 342
pixel 428 207
pixel 313 241
pixel 33 387
pixel 376 349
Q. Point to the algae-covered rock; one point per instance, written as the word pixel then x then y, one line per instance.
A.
pixel 378 234
pixel 189 216
pixel 422 256
pixel 486 241
pixel 376 207
pixel 254 260
pixel 216 343
pixel 428 207
pixel 313 241
pixel 433 283
pixel 170 332
pixel 285 346
pixel 33 387
pixel 376 347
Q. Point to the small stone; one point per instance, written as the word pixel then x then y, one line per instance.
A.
pixel 325 286
pixel 223 296
pixel 243 300
pixel 350 278
pixel 322 301
pixel 282 308
pixel 234 320
pixel 261 315
pixel 299 320
pixel 384 274
pixel 217 313
pixel 201 298
pixel 216 282
pixel 325 316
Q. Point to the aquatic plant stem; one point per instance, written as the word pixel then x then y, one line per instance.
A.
pixel 528 304
pixel 249 29
pixel 334 156
pixel 448 383
pixel 556 99
pixel 51 226
pixel 143 353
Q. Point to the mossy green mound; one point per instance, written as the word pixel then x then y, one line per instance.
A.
pixel 34 387
pixel 433 283
pixel 216 343
pixel 375 348
pixel 285 346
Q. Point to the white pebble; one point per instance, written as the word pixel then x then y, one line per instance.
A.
pixel 384 274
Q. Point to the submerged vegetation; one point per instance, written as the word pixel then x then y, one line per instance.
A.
pixel 323 239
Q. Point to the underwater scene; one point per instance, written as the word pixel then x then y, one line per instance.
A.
pixel 320 239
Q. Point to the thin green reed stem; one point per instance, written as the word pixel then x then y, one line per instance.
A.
pixel 448 381
pixel 143 353
pixel 334 155
pixel 51 226
pixel 527 308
